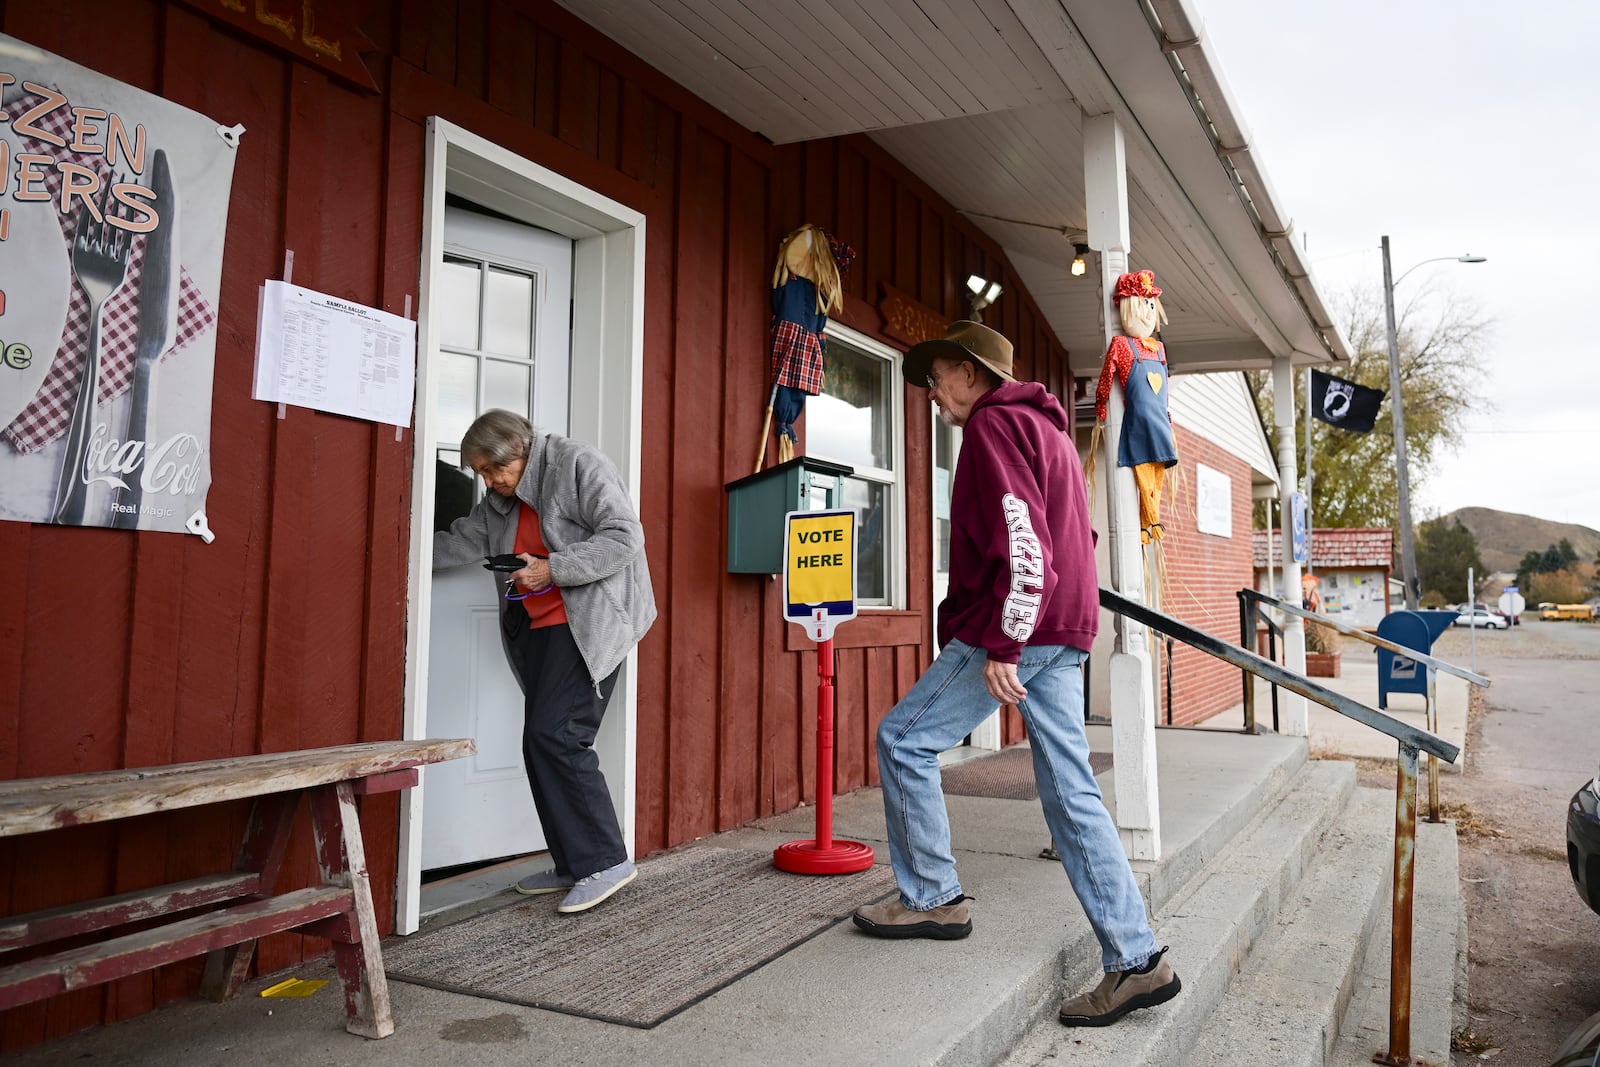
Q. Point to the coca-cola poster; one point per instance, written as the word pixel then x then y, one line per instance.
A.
pixel 112 216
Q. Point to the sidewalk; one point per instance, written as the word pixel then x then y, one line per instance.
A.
pixel 839 998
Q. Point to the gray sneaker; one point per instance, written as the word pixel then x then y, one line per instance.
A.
pixel 587 892
pixel 544 882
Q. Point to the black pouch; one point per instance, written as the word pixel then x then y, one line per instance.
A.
pixel 514 621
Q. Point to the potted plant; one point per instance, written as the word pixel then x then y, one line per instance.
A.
pixel 1322 651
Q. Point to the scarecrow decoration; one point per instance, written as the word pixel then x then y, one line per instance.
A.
pixel 805 291
pixel 1138 362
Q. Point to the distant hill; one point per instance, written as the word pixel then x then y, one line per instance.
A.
pixel 1504 537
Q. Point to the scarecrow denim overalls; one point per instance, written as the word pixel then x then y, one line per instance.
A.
pixel 943 707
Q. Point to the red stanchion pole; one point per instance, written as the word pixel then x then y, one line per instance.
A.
pixel 825 745
pixel 823 855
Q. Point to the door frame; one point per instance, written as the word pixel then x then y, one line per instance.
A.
pixel 605 402
pixel 986 735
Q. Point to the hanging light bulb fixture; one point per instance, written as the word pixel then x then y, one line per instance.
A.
pixel 981 292
pixel 1079 266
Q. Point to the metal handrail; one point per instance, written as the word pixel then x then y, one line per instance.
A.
pixel 1423 658
pixel 1401 731
pixel 1410 739
pixel 1371 639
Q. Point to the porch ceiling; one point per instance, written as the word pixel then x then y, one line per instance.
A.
pixel 984 100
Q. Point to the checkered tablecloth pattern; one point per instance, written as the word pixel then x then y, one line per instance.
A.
pixel 47 415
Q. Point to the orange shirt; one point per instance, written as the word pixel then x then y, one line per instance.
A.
pixel 544 609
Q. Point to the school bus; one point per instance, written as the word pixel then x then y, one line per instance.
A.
pixel 1577 612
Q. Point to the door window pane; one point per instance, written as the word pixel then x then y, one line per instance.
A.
pixel 457 305
pixel 505 385
pixel 508 313
pixel 851 420
pixel 457 396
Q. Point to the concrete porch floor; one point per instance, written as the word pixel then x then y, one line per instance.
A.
pixel 838 998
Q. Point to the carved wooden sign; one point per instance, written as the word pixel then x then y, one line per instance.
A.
pixel 321 32
pixel 907 320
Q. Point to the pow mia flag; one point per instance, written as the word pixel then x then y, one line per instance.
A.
pixel 1344 404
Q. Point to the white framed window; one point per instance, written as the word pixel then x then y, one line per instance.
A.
pixel 858 420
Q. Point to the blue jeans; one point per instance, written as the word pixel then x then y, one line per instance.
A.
pixel 945 705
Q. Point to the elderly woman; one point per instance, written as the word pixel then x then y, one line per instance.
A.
pixel 570 617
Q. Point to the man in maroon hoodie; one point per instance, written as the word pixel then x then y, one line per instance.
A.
pixel 1020 618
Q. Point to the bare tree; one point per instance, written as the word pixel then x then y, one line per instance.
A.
pixel 1442 338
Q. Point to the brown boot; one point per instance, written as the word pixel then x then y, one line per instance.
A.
pixel 947 922
pixel 1121 992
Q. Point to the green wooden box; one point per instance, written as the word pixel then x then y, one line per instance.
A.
pixel 758 503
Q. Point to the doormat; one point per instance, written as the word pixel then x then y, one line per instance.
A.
pixel 1006 775
pixel 691 923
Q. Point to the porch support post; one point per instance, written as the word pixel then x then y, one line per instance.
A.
pixel 1295 720
pixel 1133 709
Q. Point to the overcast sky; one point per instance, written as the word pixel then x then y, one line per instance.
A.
pixel 1453 126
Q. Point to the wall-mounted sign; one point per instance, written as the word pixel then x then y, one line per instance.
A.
pixel 112 217
pixel 906 320
pixel 317 351
pixel 819 574
pixel 1213 501
pixel 323 32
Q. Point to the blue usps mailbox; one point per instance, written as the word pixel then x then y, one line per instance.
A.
pixel 1413 629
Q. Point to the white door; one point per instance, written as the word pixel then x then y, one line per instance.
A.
pixel 504 309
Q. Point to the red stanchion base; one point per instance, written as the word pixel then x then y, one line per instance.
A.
pixel 804 857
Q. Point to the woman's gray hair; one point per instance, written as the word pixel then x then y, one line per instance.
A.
pixel 498 436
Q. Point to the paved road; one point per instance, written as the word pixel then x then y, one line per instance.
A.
pixel 1531 939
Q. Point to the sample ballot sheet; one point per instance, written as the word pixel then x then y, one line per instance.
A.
pixel 317 351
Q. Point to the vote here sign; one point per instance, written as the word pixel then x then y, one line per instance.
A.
pixel 819 574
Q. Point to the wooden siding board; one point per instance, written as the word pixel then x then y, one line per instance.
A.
pixel 440 57
pixel 744 333
pixel 780 751
pixel 413 19
pixel 512 47
pixel 697 493
pixel 849 712
pixel 16 553
pixel 881 677
pixel 471 67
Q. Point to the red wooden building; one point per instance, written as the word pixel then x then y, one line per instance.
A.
pixel 428 174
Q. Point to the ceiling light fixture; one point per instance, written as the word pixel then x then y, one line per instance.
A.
pixel 981 292
pixel 1078 264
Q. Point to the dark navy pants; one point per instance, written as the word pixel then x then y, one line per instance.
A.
pixel 562 711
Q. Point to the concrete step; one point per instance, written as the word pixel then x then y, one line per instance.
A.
pixel 1438 961
pixel 1210 924
pixel 1286 1005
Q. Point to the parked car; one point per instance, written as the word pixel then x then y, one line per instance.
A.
pixel 1582 1046
pixel 1583 842
pixel 1481 617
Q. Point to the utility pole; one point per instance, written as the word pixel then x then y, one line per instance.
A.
pixel 1408 548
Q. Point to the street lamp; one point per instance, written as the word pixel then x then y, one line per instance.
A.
pixel 1408 548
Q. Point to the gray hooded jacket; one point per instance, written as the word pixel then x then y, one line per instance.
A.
pixel 595 540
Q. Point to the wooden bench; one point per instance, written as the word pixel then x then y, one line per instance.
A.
pixel 240 905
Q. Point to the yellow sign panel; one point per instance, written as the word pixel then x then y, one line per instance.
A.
pixel 821 559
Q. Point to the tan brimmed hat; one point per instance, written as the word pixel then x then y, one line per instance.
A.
pixel 964 340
